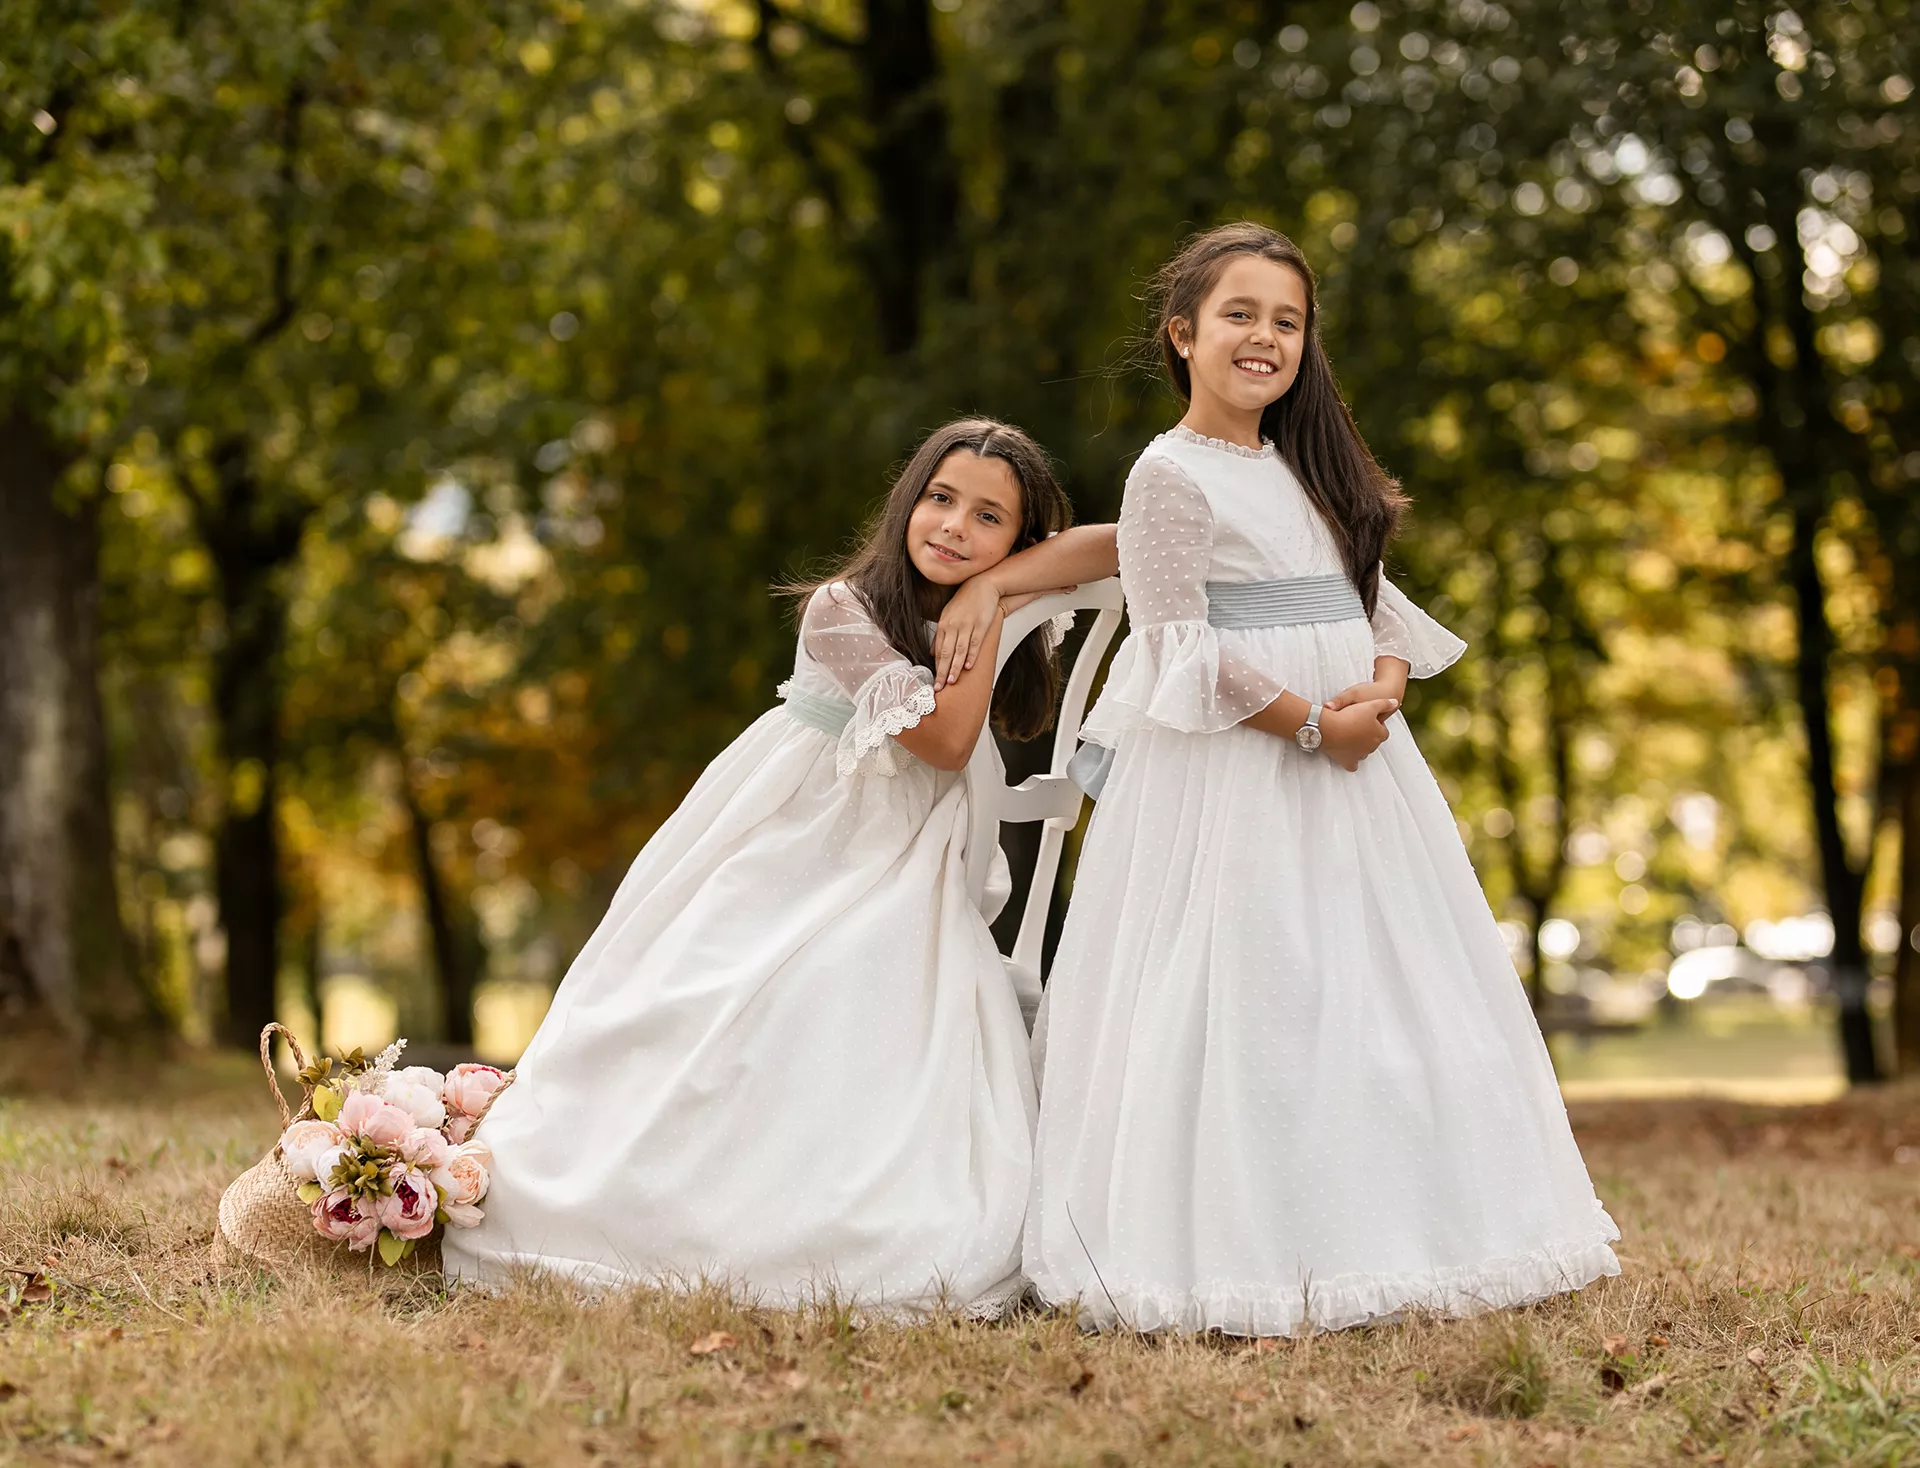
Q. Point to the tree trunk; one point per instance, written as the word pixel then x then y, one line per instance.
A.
pixel 250 547
pixel 1906 964
pixel 914 180
pixel 453 934
pixel 1843 881
pixel 60 924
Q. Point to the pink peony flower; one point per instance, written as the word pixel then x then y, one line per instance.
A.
pixel 339 1215
pixel 426 1148
pixel 368 1117
pixel 302 1146
pixel 469 1087
pixel 416 1091
pixel 407 1212
pixel 463 1183
pixel 458 1128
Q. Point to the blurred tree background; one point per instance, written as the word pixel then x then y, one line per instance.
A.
pixel 405 409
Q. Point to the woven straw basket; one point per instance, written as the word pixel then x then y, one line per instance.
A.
pixel 263 1221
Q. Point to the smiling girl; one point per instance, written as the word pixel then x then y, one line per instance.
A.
pixel 789 1059
pixel 1291 1078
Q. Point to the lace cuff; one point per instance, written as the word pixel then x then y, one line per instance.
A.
pixel 1056 629
pixel 894 699
pixel 1402 630
pixel 1173 673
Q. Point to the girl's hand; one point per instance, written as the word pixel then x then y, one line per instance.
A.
pixel 964 628
pixel 1348 735
pixel 1389 681
pixel 964 623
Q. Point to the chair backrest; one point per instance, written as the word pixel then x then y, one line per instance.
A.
pixel 1052 797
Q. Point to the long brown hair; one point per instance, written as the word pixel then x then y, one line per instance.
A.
pixel 1310 425
pixel 899 598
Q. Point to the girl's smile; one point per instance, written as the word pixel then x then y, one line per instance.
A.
pixel 1243 347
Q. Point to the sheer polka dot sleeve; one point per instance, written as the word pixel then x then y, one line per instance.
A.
pixel 1171 670
pixel 1402 630
pixel 888 693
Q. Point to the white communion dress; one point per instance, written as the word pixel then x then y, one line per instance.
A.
pixel 789 1060
pixel 1291 1078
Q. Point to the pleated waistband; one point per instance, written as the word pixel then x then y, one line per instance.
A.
pixel 829 715
pixel 1284 603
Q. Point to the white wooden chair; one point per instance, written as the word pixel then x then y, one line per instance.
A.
pixel 1051 797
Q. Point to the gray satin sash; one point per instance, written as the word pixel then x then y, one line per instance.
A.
pixel 829 715
pixel 1240 605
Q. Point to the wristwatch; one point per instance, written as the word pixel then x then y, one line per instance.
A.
pixel 1307 736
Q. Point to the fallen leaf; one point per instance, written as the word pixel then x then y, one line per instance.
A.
pixel 1612 1377
pixel 719 1340
pixel 824 1442
pixel 1653 1386
pixel 1910 1251
pixel 1266 1345
pixel 1614 1345
pixel 1656 1340
pixel 1758 1356
pixel 1461 1434
pixel 1080 1382
pixel 37 1290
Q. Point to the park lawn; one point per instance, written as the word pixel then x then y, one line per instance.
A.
pixel 1766 1314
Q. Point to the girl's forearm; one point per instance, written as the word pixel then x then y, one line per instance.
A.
pixel 1072 558
pixel 945 737
pixel 1283 716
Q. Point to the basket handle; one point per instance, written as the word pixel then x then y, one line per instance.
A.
pixel 498 1093
pixel 273 1081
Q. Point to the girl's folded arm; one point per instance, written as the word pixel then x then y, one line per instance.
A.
pixel 1060 562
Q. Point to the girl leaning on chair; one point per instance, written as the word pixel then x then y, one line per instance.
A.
pixel 789 1060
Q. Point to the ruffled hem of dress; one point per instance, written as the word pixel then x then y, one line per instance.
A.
pixel 1346 1300
pixel 1168 673
pixel 888 704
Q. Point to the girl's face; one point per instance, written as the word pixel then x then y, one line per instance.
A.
pixel 1244 348
pixel 966 520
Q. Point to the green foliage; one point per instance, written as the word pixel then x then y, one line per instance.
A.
pixel 498 356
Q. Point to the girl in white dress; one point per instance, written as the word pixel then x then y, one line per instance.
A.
pixel 1291 1080
pixel 789 1059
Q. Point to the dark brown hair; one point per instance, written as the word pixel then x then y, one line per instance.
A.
pixel 900 600
pixel 1309 424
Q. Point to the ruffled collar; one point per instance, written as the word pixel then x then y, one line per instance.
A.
pixel 1187 435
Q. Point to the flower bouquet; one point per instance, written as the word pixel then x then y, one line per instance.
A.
pixel 377 1157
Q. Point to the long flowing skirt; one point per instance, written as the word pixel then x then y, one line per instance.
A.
pixel 1290 1077
pixel 788 1060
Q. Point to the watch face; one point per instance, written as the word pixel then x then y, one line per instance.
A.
pixel 1309 737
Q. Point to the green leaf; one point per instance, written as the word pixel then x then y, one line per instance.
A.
pixel 392 1248
pixel 310 1193
pixel 327 1102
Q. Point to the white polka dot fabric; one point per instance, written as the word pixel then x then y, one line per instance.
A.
pixel 1291 1079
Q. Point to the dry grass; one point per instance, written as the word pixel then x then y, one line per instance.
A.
pixel 1767 1315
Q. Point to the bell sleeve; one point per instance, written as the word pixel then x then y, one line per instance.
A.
pixel 1173 669
pixel 1401 630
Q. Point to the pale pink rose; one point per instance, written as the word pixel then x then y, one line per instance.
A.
pixel 416 1091
pixel 426 1149
pixel 339 1215
pixel 366 1116
pixel 465 1175
pixel 304 1143
pixel 463 1183
pixel 407 1212
pixel 458 1128
pixel 468 1088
